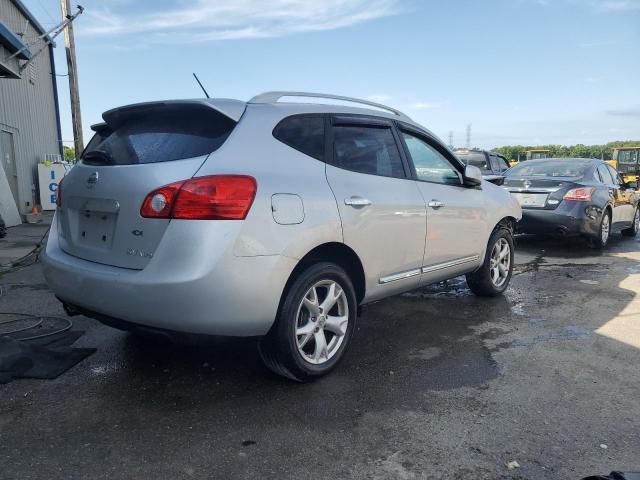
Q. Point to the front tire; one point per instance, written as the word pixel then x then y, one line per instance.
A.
pixel 314 326
pixel 635 225
pixel 601 240
pixel 493 277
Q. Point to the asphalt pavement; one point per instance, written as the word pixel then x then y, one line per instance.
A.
pixel 437 384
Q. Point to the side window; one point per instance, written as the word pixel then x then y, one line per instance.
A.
pixel 369 150
pixel 614 174
pixel 596 176
pixel 495 164
pixel 431 165
pixel 504 165
pixel 305 133
pixel 604 175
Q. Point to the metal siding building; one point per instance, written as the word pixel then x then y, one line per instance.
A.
pixel 29 117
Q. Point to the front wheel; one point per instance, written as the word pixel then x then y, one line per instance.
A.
pixel 493 277
pixel 314 326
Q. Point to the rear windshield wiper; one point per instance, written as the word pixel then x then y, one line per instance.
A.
pixel 98 157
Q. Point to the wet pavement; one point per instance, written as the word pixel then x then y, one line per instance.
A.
pixel 437 384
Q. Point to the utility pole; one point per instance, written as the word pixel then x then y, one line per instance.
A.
pixel 451 139
pixel 70 47
pixel 468 136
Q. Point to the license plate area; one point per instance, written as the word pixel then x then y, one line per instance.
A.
pixel 531 199
pixel 96 229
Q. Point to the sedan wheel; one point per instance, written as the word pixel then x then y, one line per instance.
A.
pixel 602 238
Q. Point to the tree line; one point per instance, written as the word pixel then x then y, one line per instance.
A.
pixel 605 152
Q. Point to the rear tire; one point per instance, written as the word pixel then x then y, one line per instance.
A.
pixel 315 323
pixel 601 240
pixel 493 277
pixel 635 225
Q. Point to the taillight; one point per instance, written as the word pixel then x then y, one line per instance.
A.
pixel 582 194
pixel 216 197
pixel 159 203
pixel 59 193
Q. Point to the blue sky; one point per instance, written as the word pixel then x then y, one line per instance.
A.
pixel 519 71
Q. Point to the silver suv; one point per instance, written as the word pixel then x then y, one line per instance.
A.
pixel 267 218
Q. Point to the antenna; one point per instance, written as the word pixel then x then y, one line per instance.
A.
pixel 451 139
pixel 469 135
pixel 200 83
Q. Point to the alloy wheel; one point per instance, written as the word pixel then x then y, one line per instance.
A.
pixel 321 321
pixel 500 262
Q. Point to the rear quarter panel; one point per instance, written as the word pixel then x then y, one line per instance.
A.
pixel 279 169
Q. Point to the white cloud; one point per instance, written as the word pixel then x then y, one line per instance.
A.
pixel 205 20
pixel 422 106
pixel 380 98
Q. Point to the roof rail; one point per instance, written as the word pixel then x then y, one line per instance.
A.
pixel 273 97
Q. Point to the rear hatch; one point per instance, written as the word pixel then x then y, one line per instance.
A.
pixel 138 149
pixel 539 193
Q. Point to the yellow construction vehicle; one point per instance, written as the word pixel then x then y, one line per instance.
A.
pixel 537 154
pixel 626 160
pixel 534 154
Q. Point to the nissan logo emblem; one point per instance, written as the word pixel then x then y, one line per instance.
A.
pixel 92 180
pixel 526 184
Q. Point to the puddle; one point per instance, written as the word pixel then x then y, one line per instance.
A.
pixel 456 287
pixel 569 333
pixel 428 353
pixel 518 309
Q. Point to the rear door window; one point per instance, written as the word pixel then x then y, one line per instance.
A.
pixel 305 133
pixel 370 150
pixel 605 176
pixel 160 136
pixel 614 175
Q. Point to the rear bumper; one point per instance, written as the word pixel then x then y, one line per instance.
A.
pixel 187 287
pixel 576 219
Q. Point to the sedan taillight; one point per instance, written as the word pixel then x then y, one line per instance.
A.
pixel 216 197
pixel 582 194
pixel 59 193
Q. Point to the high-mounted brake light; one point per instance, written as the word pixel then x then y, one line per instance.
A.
pixel 582 194
pixel 216 197
pixel 59 193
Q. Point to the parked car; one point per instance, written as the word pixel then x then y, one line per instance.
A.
pixel 491 164
pixel 3 228
pixel 574 196
pixel 272 219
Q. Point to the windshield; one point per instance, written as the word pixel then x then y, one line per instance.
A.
pixel 557 168
pixel 628 156
pixel 477 159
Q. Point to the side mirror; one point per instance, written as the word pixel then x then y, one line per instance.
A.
pixel 472 176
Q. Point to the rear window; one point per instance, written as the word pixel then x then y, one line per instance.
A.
pixel 477 159
pixel 305 133
pixel 367 150
pixel 549 169
pixel 160 136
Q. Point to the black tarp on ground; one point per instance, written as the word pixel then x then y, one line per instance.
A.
pixel 44 358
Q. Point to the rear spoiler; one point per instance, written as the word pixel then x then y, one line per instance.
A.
pixel 232 109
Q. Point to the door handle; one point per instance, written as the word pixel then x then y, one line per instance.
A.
pixel 436 204
pixel 357 201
